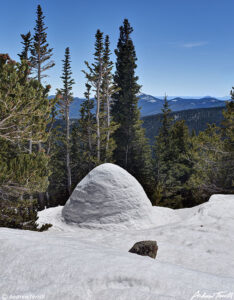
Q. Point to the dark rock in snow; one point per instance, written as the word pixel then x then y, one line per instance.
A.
pixel 145 248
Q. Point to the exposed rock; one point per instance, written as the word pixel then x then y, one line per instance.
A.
pixel 145 248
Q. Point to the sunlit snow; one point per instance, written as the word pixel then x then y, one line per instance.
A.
pixel 195 255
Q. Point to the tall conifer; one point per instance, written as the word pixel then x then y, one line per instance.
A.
pixel 84 157
pixel 173 164
pixel 108 88
pixel 40 51
pixel 66 99
pixel 95 77
pixel 132 150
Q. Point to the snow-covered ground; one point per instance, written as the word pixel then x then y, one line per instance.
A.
pixel 195 256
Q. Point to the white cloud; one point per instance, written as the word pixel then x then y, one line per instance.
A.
pixel 193 44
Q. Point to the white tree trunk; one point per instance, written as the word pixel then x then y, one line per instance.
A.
pixel 108 122
pixel 68 146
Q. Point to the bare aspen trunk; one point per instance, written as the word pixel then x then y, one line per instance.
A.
pixel 89 131
pixel 41 194
pixel 98 126
pixel 68 147
pixel 30 146
pixel 126 156
pixel 47 199
pixel 90 139
pixel 39 80
pixel 98 112
pixel 108 123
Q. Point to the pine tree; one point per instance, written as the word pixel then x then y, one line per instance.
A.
pixel 108 88
pixel 209 172
pixel 87 126
pixel 25 112
pixel 57 192
pixel 132 150
pixel 95 77
pixel 84 151
pixel 162 153
pixel 27 44
pixel 182 165
pixel 24 55
pixel 65 102
pixel 228 137
pixel 125 111
pixel 173 163
pixel 24 104
pixel 40 51
pixel 214 158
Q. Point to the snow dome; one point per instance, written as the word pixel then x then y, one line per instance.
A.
pixel 108 197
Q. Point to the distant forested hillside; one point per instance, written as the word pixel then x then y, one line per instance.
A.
pixel 196 119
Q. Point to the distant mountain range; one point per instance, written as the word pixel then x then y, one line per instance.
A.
pixel 151 105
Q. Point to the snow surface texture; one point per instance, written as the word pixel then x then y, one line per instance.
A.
pixel 109 197
pixel 69 263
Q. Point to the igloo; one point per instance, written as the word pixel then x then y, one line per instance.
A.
pixel 108 197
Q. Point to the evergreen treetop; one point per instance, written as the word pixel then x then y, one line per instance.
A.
pixel 27 44
pixel 132 151
pixel 40 51
pixel 66 77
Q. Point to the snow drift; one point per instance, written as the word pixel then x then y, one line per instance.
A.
pixel 69 263
pixel 108 197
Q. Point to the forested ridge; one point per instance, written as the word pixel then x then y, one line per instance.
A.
pixel 195 119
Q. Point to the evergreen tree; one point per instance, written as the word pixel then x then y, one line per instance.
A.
pixel 228 137
pixel 65 102
pixel 173 166
pixel 25 112
pixel 24 55
pixel 95 77
pixel 27 44
pixel 84 152
pixel 24 105
pixel 108 88
pixel 57 193
pixel 209 173
pixel 182 164
pixel 132 150
pixel 162 153
pixel 40 51
pixel 214 159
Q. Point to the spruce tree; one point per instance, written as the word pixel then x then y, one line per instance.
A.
pixel 40 51
pixel 162 154
pixel 181 166
pixel 24 55
pixel 95 77
pixel 65 102
pixel 173 162
pixel 108 88
pixel 84 151
pixel 27 44
pixel 132 150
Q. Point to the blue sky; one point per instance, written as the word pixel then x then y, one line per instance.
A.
pixel 184 47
